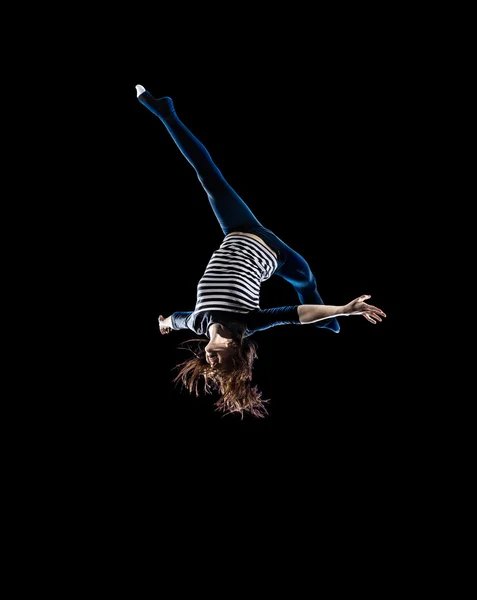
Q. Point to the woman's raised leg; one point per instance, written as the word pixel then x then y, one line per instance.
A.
pixel 229 209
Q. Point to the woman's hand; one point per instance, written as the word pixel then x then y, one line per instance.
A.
pixel 164 325
pixel 359 307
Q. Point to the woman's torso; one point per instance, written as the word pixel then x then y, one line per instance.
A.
pixel 234 274
pixel 255 237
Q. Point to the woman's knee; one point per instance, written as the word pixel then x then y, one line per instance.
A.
pixel 308 280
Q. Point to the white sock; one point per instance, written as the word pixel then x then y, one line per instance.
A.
pixel 140 90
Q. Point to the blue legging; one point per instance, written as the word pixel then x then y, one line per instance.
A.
pixel 231 211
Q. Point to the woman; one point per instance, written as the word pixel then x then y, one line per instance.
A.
pixel 227 309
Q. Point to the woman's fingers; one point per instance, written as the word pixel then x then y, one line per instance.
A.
pixel 377 310
pixel 372 317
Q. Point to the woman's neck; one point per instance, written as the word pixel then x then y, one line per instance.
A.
pixel 219 333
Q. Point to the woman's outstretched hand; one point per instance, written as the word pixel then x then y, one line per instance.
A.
pixel 359 307
pixel 164 328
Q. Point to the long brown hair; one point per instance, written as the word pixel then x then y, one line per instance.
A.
pixel 233 383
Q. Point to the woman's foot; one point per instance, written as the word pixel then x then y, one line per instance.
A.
pixel 161 107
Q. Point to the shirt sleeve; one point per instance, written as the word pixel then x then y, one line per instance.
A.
pixel 180 320
pixel 271 317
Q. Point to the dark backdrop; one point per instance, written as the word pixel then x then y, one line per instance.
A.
pixel 316 122
pixel 322 139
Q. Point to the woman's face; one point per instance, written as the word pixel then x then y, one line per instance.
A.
pixel 218 354
pixel 221 346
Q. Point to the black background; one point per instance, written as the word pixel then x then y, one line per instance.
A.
pixel 319 133
pixel 315 120
pixel 318 121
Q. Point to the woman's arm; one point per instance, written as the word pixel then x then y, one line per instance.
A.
pixel 311 313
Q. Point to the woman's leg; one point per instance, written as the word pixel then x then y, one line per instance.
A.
pixel 297 271
pixel 230 210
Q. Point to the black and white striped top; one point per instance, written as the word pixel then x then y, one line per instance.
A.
pixel 234 274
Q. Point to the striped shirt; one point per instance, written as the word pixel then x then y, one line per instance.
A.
pixel 234 274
